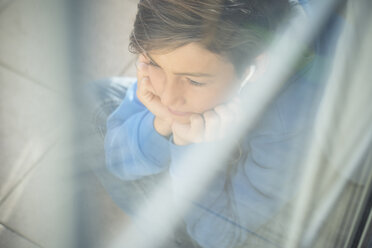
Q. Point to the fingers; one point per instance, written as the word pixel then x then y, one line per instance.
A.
pixel 181 131
pixel 145 93
pixel 227 117
pixel 180 134
pixel 212 125
pixel 192 132
pixel 197 128
pixel 142 67
pixel 145 90
pixel 143 58
pixel 236 107
pixel 142 70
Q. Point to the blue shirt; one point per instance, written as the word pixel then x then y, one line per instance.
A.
pixel 266 172
pixel 259 188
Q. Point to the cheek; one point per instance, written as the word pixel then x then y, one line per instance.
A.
pixel 206 99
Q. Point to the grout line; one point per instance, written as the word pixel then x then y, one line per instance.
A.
pixel 58 94
pixel 33 167
pixel 20 234
pixel 25 76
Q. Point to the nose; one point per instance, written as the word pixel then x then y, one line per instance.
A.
pixel 172 94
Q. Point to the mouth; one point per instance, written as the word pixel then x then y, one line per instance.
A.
pixel 179 113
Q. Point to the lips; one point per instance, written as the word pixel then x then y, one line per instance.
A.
pixel 179 113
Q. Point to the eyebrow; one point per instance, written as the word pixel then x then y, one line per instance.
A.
pixel 192 74
pixel 152 60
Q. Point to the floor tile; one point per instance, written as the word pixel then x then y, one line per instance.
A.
pixel 28 127
pixel 34 39
pixel 105 29
pixel 61 199
pixel 40 207
pixel 10 239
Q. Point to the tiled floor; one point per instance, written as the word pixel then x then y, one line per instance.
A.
pixel 9 238
pixel 44 197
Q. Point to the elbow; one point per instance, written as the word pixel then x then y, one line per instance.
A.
pixel 117 160
pixel 119 170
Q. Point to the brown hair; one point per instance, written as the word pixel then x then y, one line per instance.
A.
pixel 237 29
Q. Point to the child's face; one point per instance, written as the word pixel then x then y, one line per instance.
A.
pixel 191 79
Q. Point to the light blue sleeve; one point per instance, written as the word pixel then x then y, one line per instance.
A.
pixel 226 217
pixel 133 148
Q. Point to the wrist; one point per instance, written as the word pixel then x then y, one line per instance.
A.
pixel 162 127
pixel 178 141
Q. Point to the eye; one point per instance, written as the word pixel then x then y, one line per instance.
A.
pixel 153 64
pixel 195 83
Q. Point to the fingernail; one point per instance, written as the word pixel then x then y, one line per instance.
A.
pixel 141 66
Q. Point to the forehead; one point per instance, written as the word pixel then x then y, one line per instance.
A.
pixel 191 58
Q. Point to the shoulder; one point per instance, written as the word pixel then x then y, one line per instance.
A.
pixel 295 107
pixel 129 106
pixel 287 123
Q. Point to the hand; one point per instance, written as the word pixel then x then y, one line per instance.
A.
pixel 146 94
pixel 211 126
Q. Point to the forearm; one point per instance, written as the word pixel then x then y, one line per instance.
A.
pixel 162 127
pixel 134 149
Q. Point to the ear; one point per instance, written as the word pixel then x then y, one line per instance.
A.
pixel 258 67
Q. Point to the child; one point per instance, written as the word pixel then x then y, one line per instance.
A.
pixel 192 57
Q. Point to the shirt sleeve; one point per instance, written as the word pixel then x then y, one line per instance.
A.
pixel 133 148
pixel 230 212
